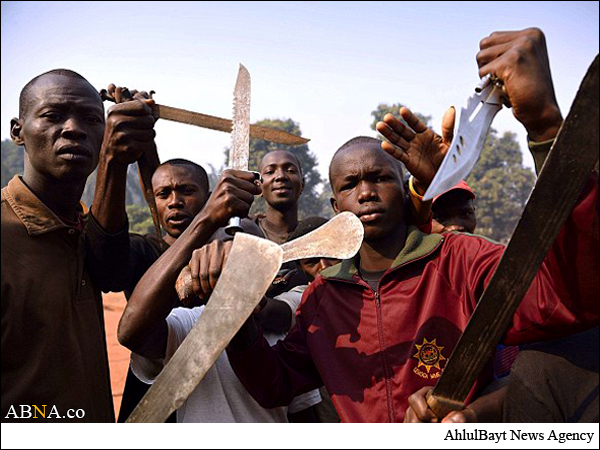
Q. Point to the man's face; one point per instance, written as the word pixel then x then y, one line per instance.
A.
pixel 62 128
pixel 457 216
pixel 314 266
pixel 282 179
pixel 179 197
pixel 367 182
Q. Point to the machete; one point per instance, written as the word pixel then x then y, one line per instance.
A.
pixel 230 305
pixel 239 154
pixel 568 167
pixel 473 126
pixel 219 124
pixel 324 242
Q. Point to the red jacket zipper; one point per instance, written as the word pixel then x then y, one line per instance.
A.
pixel 386 367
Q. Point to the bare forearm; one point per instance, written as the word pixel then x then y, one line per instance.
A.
pixel 155 295
pixel 109 197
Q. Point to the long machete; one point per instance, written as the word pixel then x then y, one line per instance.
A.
pixel 197 119
pixel 568 166
pixel 231 303
pixel 239 154
pixel 225 125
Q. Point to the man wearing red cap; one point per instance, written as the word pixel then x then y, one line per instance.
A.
pixel 454 210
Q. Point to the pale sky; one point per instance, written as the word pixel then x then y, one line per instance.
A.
pixel 326 65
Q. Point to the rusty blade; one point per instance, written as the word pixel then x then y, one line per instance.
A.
pixel 324 242
pixel 340 238
pixel 230 305
pixel 217 123
pixel 240 132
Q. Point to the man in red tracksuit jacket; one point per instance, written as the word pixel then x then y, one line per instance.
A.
pixel 380 327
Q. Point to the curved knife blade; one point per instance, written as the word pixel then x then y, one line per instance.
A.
pixel 473 126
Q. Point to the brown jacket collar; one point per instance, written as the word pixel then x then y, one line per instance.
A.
pixel 34 214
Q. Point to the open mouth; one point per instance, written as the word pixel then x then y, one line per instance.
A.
pixel 178 219
pixel 75 153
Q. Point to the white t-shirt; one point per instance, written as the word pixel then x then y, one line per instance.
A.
pixel 293 298
pixel 220 397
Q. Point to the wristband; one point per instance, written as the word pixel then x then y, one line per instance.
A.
pixel 412 189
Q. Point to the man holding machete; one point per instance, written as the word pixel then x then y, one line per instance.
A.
pixel 56 258
pixel 376 329
pixel 181 189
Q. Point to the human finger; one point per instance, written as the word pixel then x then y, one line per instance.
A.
pixel 216 266
pixel 395 151
pixel 448 125
pixel 194 266
pixel 399 127
pixel 490 54
pixel 412 120
pixel 418 402
pixel 497 38
pixel 391 135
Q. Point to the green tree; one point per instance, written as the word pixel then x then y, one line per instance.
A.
pixel 502 186
pixel 394 109
pixel 133 193
pixel 12 160
pixel 311 201
pixel 140 219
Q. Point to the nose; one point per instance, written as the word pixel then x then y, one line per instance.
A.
pixel 175 201
pixel 367 192
pixel 327 262
pixel 73 130
pixel 281 175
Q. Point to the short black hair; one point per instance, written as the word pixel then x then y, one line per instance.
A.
pixel 362 140
pixel 202 175
pixel 25 95
pixel 306 226
pixel 286 151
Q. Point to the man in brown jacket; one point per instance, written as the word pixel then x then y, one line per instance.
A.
pixel 56 258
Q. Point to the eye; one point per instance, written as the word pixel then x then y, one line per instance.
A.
pixel 95 120
pixel 52 116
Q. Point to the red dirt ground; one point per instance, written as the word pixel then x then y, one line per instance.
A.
pixel 118 356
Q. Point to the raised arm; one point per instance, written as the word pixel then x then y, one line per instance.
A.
pixel 129 133
pixel 142 328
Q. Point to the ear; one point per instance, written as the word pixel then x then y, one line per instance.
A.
pixel 303 185
pixel 334 205
pixel 15 131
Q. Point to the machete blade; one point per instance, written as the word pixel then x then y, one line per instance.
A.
pixel 230 305
pixel 473 126
pixel 324 242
